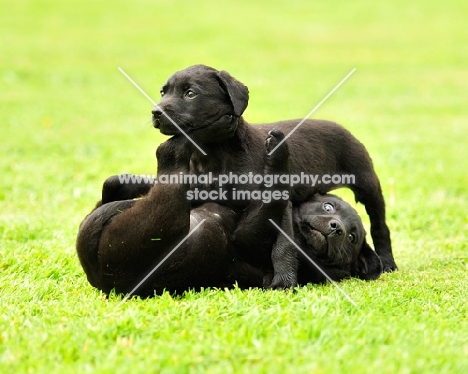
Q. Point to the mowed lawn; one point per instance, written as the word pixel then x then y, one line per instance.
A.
pixel 69 119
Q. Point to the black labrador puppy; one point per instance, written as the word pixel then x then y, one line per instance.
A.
pixel 122 241
pixel 331 233
pixel 207 105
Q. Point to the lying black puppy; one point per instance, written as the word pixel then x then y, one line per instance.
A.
pixel 207 105
pixel 331 233
pixel 120 242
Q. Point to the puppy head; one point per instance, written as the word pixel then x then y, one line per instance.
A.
pixel 331 232
pixel 204 102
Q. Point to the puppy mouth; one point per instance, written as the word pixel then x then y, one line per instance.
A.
pixel 156 123
pixel 319 244
pixel 317 240
pixel 165 128
pixel 214 130
pixel 327 251
pixel 318 237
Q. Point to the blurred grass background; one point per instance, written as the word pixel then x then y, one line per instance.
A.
pixel 69 119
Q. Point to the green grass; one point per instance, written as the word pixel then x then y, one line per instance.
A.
pixel 69 119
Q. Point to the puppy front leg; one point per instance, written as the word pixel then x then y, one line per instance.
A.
pixel 256 236
pixel 284 254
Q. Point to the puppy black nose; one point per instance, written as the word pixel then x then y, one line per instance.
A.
pixel 156 111
pixel 335 226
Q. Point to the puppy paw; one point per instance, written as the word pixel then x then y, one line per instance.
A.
pixel 274 137
pixel 388 263
pixel 283 281
pixel 278 161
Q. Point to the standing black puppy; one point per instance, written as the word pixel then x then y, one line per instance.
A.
pixel 207 105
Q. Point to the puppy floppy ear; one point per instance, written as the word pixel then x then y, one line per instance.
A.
pixel 238 93
pixel 367 265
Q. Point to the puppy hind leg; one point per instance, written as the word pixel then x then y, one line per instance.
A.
pixel 130 186
pixel 166 204
pixel 89 236
pixel 133 241
pixel 371 196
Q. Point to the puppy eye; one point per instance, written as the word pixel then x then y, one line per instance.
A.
pixel 162 93
pixel 352 238
pixel 190 94
pixel 328 207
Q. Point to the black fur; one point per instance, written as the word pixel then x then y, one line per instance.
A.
pixel 207 104
pixel 117 254
pixel 120 242
pixel 331 233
